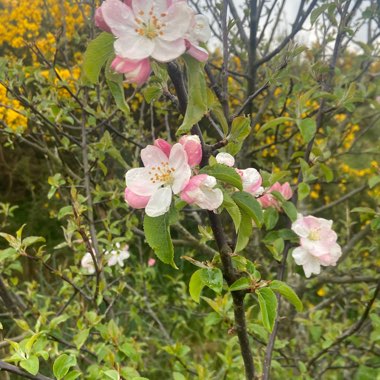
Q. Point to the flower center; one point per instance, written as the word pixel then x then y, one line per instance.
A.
pixel 151 27
pixel 161 173
pixel 314 235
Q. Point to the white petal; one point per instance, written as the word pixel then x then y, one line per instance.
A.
pixel 165 51
pixel 312 266
pixel 138 180
pixel 211 199
pixel 160 202
pixel 134 47
pixel 118 17
pixel 201 31
pixel 153 156
pixel 182 171
pixel 177 21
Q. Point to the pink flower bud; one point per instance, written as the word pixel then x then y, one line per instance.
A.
pixel 193 149
pixel 163 145
pixel 268 200
pixel 135 71
pixel 201 191
pixel 134 200
pixel 151 262
pixel 225 159
pixel 100 22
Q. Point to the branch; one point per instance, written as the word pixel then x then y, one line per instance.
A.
pixel 351 331
pixel 17 371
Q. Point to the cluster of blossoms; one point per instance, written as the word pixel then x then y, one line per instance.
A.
pixel 168 170
pixel 318 244
pixel 159 29
pixel 113 257
pixel 252 181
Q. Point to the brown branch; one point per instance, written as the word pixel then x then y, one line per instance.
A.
pixel 17 371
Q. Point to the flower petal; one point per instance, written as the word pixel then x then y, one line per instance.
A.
pixel 134 47
pixel 118 17
pixel 182 171
pixel 178 21
pixel 153 156
pixel 160 202
pixel 138 181
pixel 134 200
pixel 165 51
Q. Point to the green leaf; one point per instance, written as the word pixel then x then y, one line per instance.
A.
pixel 31 364
pixel 213 279
pixel 240 128
pixel 232 208
pixel 268 307
pixel 197 90
pixel 152 92
pixel 72 375
pixel 80 338
pixel 112 374
pixel 327 172
pixel 287 292
pixel 157 233
pixel 364 210
pixel 216 108
pixel 270 218
pixel 249 205
pixel 67 210
pixel 62 365
pixel 7 253
pixel 307 127
pixel 303 190
pixel 196 285
pixel 115 84
pixel 224 173
pixel 317 12
pixel 32 240
pixel 290 210
pixel 98 52
pixel 273 123
pixel 245 232
pixel 373 181
pixel 241 284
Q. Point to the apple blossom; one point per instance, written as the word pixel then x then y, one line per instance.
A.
pixel 160 177
pixel 117 256
pixel 225 159
pixel 87 263
pixel 134 200
pixel 269 199
pixel 251 180
pixel 318 244
pixel 201 191
pixel 135 71
pixel 149 28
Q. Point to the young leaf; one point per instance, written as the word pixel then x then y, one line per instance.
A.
pixel 115 84
pixel 232 209
pixel 268 307
pixel 273 123
pixel 31 364
pixel 62 365
pixel 290 210
pixel 157 233
pixel 307 127
pixel 303 190
pixel 197 90
pixel 270 218
pixel 224 173
pixel 240 128
pixel 287 292
pixel 196 285
pixel 249 205
pixel 245 232
pixel 112 374
pixel 98 52
pixel 241 284
pixel 213 279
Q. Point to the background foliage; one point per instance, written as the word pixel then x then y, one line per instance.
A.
pixel 65 148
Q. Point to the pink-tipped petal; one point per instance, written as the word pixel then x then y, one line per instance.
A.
pixel 100 22
pixel 197 52
pixel 193 149
pixel 134 200
pixel 164 146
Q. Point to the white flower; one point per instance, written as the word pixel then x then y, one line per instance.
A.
pixel 117 256
pixel 87 263
pixel 225 159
